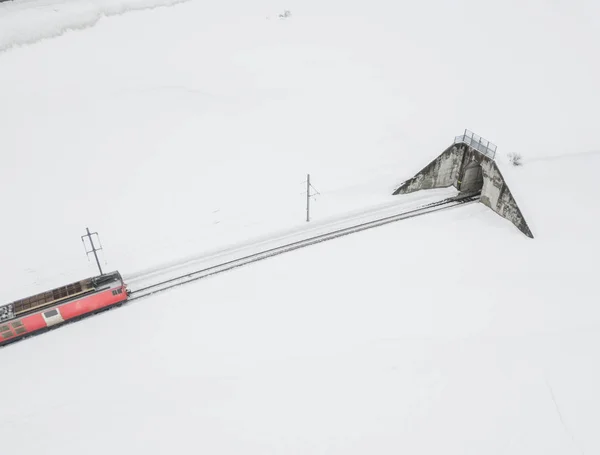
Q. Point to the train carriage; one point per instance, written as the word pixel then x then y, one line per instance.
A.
pixel 33 314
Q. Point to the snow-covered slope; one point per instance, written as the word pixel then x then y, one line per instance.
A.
pixel 449 333
pixel 28 21
pixel 183 130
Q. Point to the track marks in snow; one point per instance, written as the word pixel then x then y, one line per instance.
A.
pixel 562 420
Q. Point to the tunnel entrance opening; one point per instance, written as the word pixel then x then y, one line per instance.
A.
pixel 468 165
pixel 472 181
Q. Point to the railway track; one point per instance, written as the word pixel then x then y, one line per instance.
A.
pixel 189 277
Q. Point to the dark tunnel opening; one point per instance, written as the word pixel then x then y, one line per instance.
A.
pixel 472 181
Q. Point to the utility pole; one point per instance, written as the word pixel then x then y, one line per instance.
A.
pixel 94 249
pixel 307 198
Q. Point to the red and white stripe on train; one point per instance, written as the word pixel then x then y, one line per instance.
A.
pixel 37 313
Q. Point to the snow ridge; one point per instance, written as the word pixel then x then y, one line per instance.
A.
pixel 29 21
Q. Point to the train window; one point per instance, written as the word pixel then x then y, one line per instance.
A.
pixel 7 335
pixel 4 328
pixel 50 313
pixel 20 330
pixel 120 291
pixel 17 324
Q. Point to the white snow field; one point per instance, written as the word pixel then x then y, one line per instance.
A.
pixel 184 131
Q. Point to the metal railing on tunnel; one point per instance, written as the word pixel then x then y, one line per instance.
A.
pixel 477 142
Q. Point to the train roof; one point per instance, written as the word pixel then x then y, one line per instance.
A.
pixel 68 290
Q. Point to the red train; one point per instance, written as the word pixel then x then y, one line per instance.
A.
pixel 39 312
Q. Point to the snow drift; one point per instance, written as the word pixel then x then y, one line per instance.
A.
pixel 29 21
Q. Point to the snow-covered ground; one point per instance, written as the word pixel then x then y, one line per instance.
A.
pixel 192 264
pixel 179 131
pixel 28 21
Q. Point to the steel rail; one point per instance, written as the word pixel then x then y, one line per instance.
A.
pixel 255 257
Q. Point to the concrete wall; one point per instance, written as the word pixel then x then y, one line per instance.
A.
pixel 497 196
pixel 450 168
pixel 440 173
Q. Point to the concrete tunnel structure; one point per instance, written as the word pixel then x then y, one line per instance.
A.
pixel 468 165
